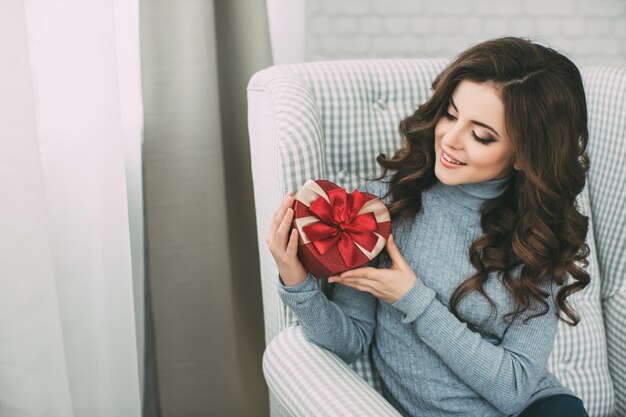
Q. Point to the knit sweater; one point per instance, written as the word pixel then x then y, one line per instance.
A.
pixel 431 363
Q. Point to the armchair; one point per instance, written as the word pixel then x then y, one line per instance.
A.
pixel 330 119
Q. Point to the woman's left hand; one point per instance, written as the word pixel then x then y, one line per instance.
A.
pixel 388 284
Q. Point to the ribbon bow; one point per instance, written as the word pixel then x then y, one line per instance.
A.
pixel 339 222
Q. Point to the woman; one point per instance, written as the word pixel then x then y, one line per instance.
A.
pixel 487 243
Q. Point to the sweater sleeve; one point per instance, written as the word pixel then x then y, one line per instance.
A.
pixel 343 324
pixel 506 375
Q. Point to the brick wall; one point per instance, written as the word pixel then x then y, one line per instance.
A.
pixel 590 32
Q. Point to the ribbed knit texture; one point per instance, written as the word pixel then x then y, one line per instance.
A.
pixel 431 363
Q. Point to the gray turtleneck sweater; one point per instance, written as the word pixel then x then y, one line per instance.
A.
pixel 430 363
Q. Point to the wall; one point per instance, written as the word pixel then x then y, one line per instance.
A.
pixel 588 32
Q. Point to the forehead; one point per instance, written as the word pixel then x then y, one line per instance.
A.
pixel 480 102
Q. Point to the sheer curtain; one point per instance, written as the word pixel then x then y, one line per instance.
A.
pixel 71 294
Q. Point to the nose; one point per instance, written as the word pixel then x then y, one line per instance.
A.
pixel 453 138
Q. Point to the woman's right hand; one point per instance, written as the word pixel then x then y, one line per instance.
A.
pixel 283 244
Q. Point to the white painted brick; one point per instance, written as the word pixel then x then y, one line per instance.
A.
pixel 317 56
pixel 599 26
pixel 494 27
pixel 472 25
pixel 551 7
pixel 573 27
pixel 337 44
pixel 370 25
pixel 549 26
pixel 345 25
pixel 456 7
pixel 604 60
pixel 320 25
pixel 312 6
pixel 446 25
pixel 587 30
pixel 396 25
pixel 564 45
pixel 406 45
pixel 521 26
pixel 437 46
pixel 312 44
pixel 422 25
pixel 399 7
pixel 610 8
pixel 346 7
pixel 431 44
pixel 619 29
pixel 498 7
pixel 597 46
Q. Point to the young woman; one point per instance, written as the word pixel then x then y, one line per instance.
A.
pixel 487 243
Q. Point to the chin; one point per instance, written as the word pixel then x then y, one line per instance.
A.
pixel 446 178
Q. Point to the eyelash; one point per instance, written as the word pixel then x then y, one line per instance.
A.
pixel 478 138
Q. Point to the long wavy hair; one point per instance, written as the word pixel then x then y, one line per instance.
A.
pixel 534 225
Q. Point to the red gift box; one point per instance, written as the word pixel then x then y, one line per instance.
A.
pixel 338 231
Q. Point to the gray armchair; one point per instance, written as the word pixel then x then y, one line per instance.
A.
pixel 330 120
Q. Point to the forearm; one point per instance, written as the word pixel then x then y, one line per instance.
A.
pixel 506 377
pixel 326 324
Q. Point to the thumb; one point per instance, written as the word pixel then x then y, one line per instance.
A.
pixel 393 251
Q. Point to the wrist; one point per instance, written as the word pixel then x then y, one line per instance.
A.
pixel 291 281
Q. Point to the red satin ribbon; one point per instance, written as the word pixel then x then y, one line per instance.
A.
pixel 339 223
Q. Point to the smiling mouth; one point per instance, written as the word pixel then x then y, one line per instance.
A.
pixel 450 159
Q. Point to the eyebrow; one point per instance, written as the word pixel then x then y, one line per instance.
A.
pixel 476 121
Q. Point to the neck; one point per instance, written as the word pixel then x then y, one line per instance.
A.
pixel 472 196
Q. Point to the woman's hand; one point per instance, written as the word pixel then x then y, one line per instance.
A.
pixel 284 248
pixel 388 284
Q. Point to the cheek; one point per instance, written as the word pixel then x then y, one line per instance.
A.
pixel 440 130
pixel 482 156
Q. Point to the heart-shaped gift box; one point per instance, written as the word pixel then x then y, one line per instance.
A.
pixel 338 231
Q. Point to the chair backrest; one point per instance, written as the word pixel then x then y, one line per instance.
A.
pixel 605 88
pixel 330 119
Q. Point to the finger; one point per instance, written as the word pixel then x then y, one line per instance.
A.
pixel 361 285
pixel 283 229
pixel 279 214
pixel 394 252
pixel 367 271
pixel 292 246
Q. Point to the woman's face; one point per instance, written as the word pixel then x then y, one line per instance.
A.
pixel 472 132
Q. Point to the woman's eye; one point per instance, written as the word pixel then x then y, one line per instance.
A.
pixel 449 116
pixel 481 140
pixel 478 138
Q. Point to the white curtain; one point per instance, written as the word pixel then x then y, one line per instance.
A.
pixel 71 248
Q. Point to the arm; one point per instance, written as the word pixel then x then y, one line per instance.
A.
pixel 505 375
pixel 343 325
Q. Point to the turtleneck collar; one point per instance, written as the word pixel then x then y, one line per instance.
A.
pixel 472 196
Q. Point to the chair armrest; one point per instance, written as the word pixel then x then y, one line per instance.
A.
pixel 309 380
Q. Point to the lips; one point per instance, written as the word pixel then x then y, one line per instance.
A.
pixel 452 158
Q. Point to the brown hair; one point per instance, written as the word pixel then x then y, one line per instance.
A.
pixel 535 223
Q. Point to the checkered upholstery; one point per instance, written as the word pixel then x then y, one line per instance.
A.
pixel 329 120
